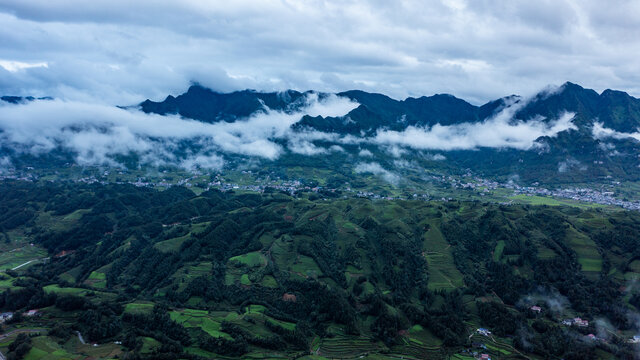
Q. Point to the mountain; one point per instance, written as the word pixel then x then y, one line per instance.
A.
pixel 22 99
pixel 203 104
pixel 617 110
pixel 375 111
pixel 591 158
pixel 529 139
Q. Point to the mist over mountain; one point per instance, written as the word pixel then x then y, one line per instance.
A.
pixel 615 109
pixel 561 134
pixel 512 135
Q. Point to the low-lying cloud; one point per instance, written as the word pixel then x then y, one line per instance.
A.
pixel 571 164
pixel 97 133
pixel 5 163
pixel 500 131
pixel 601 133
pixel 377 169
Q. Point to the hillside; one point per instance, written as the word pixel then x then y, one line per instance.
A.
pixel 171 274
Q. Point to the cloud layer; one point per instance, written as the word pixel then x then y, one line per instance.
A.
pixel 377 169
pixel 499 131
pixel 97 133
pixel 121 52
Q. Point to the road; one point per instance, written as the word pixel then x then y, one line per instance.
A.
pixel 80 337
pixel 28 262
pixel 21 265
pixel 18 331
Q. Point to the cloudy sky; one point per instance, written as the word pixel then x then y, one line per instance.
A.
pixel 122 52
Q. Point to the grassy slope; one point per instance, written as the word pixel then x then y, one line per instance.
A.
pixel 442 272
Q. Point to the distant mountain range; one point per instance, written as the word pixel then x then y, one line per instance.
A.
pixel 577 154
pixel 617 110
pixel 527 139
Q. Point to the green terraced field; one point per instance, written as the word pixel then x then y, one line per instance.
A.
pixel 191 318
pixel 171 245
pixel 252 259
pixel 347 347
pixel 97 280
pixel 550 201
pixel 442 272
pixel 497 252
pixel 139 307
pixel 588 255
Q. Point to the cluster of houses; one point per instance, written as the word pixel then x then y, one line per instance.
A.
pixel 592 337
pixel 575 322
pixel 483 332
pixel 536 309
pixel 477 354
pixel 634 340
pixel 6 317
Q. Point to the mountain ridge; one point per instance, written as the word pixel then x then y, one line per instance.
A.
pixel 615 109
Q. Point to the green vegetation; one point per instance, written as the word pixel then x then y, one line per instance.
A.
pixel 139 307
pixel 97 280
pixel 252 259
pixel 175 274
pixel 442 270
pixel 191 318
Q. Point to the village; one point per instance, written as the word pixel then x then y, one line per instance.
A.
pixel 480 186
pixel 478 349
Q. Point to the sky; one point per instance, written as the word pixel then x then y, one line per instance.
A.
pixel 120 52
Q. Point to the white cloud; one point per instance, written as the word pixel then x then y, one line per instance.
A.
pixel 96 133
pixel 305 147
pixel 377 169
pixel 404 164
pixel 121 52
pixel 13 66
pixel 208 162
pixel 435 157
pixel 5 163
pixel 500 131
pixel 393 150
pixel 570 164
pixel 365 153
pixel 601 133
